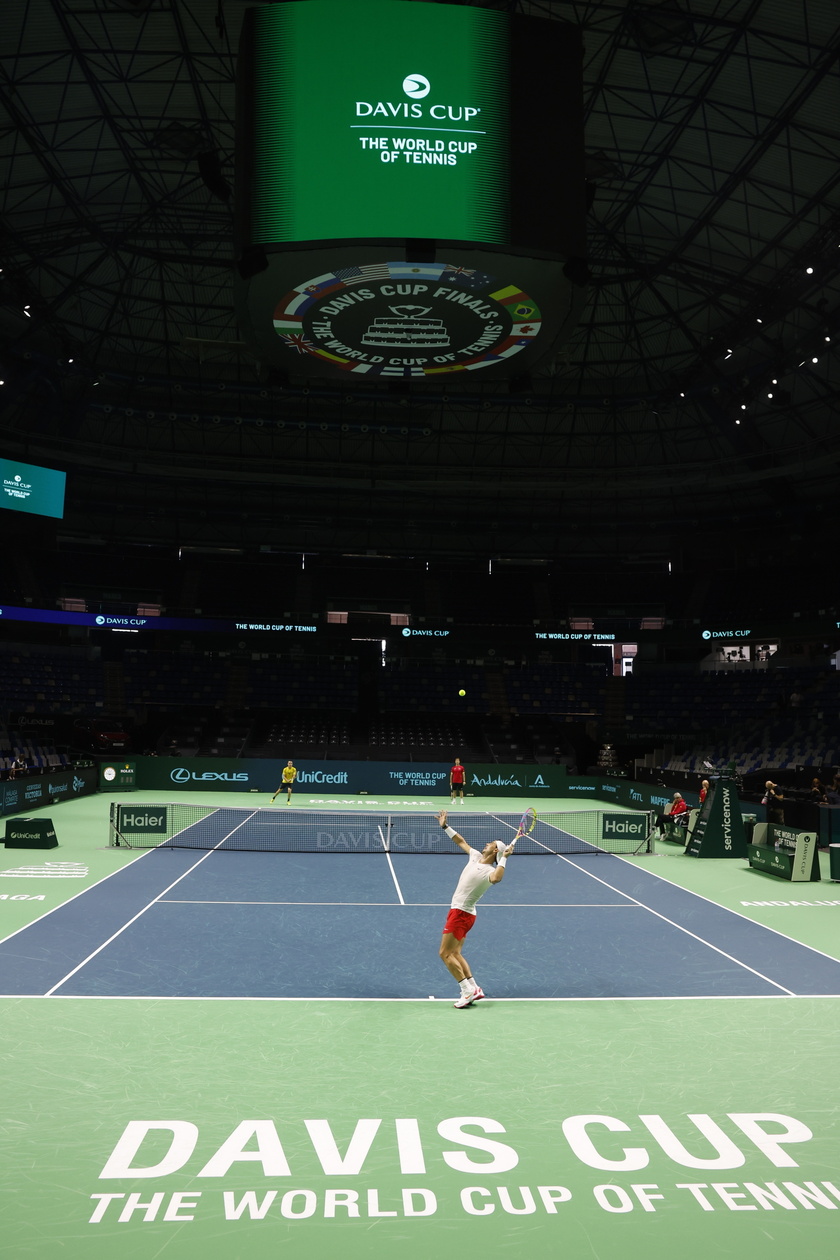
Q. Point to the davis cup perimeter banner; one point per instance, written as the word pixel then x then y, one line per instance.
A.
pixel 381 779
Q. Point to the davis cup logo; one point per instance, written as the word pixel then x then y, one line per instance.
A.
pixel 180 775
pixel 100 621
pixel 407 319
pixel 416 86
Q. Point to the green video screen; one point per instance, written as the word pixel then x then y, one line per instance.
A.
pixel 31 488
pixel 375 119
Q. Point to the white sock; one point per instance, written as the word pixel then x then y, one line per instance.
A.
pixel 466 986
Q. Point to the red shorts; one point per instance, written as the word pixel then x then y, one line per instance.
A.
pixel 458 922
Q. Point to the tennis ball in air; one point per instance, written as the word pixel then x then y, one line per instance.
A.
pixel 462 693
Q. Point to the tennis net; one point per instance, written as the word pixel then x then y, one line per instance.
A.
pixel 177 825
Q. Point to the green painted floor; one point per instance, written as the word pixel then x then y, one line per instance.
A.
pixel 243 1130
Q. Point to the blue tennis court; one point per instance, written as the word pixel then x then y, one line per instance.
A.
pixel 366 925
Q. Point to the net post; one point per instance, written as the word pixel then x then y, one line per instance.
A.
pixel 112 830
pixel 647 843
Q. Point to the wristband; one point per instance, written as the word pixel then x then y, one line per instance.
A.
pixel 451 832
pixel 502 861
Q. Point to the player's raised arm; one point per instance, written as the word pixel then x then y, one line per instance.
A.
pixel 452 833
pixel 504 853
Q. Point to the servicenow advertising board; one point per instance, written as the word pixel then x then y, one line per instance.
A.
pixel 410 187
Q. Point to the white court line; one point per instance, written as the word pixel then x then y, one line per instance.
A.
pixel 113 937
pixel 390 865
pixel 719 905
pixel 507 905
pixel 175 901
pixel 642 997
pixel 80 893
pixel 680 928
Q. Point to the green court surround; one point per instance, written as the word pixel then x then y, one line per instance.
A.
pixel 76 1072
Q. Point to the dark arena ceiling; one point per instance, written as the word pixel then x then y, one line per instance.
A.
pixel 712 133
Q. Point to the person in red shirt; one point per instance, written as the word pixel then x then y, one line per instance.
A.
pixel 704 790
pixel 457 778
pixel 678 806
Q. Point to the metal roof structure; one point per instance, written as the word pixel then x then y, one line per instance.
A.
pixel 692 414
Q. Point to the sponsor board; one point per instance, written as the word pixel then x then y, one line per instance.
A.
pixel 363 778
pixel 142 819
pixel 628 826
pixel 53 788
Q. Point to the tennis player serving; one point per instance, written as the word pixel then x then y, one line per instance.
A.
pixel 482 870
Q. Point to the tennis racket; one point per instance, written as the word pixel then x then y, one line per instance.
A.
pixel 526 824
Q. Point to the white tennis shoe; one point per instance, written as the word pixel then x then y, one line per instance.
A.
pixel 476 995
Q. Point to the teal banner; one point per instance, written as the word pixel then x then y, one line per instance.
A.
pixel 385 780
pixel 334 778
pixel 31 792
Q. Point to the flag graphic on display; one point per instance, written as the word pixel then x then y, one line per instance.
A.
pixel 297 341
pixel 466 278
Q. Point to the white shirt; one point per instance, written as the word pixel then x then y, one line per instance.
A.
pixel 474 882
